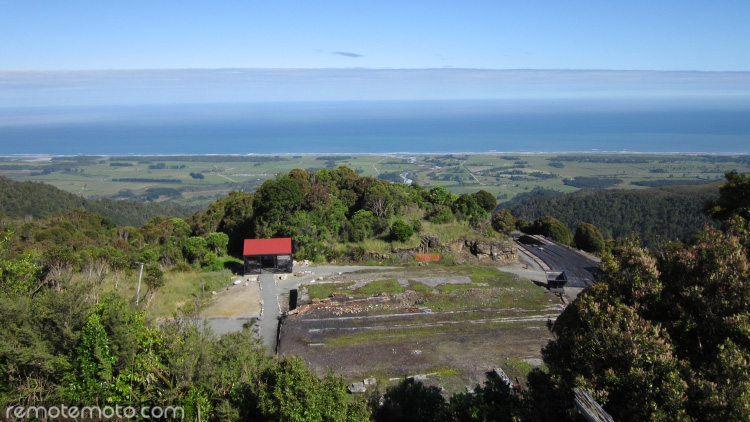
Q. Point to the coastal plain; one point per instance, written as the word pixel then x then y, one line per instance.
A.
pixel 197 180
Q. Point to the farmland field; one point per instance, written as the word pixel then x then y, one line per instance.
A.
pixel 198 180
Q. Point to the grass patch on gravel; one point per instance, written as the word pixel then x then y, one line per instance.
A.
pixel 516 367
pixel 491 288
pixel 419 332
pixel 381 286
pixel 323 290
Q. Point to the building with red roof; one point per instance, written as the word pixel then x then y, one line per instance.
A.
pixel 268 254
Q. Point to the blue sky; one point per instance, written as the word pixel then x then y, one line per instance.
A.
pixel 81 52
pixel 376 34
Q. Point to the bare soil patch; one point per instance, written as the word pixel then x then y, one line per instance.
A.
pixel 235 301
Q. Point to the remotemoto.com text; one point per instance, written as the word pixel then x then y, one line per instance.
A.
pixel 117 412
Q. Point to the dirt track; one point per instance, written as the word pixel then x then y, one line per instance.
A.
pixel 234 307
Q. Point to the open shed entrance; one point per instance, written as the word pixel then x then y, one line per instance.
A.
pixel 273 255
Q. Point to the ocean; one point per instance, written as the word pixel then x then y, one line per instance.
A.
pixel 516 126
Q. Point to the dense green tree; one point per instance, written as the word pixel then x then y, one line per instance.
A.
pixel 589 238
pixel 661 336
pixel 180 228
pixel 217 242
pixel 503 221
pixel 360 225
pixel 551 227
pixel 377 199
pixel 469 209
pixel 485 200
pixel 308 234
pixel 440 214
pixel 402 231
pixel 495 402
pixel 411 401
pixel 622 359
pixel 153 278
pixel 237 220
pixel 159 229
pixel 92 374
pixel 288 391
pixel 734 198
pixel 275 202
pixel 19 275
pixel 194 248
pixel 40 334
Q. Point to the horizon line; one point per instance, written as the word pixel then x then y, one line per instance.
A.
pixel 386 154
pixel 375 69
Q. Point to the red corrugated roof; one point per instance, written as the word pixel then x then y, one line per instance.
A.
pixel 277 246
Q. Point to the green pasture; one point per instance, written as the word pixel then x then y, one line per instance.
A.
pixel 503 175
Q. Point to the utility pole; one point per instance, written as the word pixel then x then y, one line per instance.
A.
pixel 138 291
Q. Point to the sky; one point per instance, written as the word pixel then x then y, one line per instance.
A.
pixel 82 52
pixel 662 35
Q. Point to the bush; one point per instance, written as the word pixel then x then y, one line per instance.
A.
pixel 218 242
pixel 361 225
pixel 194 248
pixel 402 231
pixel 357 253
pixel 552 228
pixel 416 224
pixel 209 260
pixel 485 200
pixel 410 401
pixel 589 238
pixel 440 214
pixel 503 221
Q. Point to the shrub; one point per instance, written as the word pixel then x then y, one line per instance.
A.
pixel 402 231
pixel 503 221
pixel 589 238
pixel 440 214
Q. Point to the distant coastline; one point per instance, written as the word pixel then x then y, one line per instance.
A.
pixel 377 128
pixel 47 157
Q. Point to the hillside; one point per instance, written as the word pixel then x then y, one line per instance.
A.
pixel 672 212
pixel 35 199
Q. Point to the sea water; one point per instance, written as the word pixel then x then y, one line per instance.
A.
pixel 532 126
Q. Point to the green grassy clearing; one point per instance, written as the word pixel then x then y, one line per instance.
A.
pixel 178 290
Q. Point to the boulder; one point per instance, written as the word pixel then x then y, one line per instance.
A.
pixel 356 388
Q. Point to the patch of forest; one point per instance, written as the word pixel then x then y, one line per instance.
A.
pixel 326 209
pixel 668 182
pixel 669 213
pixel 23 199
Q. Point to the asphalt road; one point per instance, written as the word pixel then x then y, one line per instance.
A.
pixel 578 268
pixel 269 323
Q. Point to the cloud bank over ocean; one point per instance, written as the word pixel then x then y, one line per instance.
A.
pixel 124 87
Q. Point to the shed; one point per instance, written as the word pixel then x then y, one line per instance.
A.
pixel 269 254
pixel 556 279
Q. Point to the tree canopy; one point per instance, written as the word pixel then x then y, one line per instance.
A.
pixel 588 238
